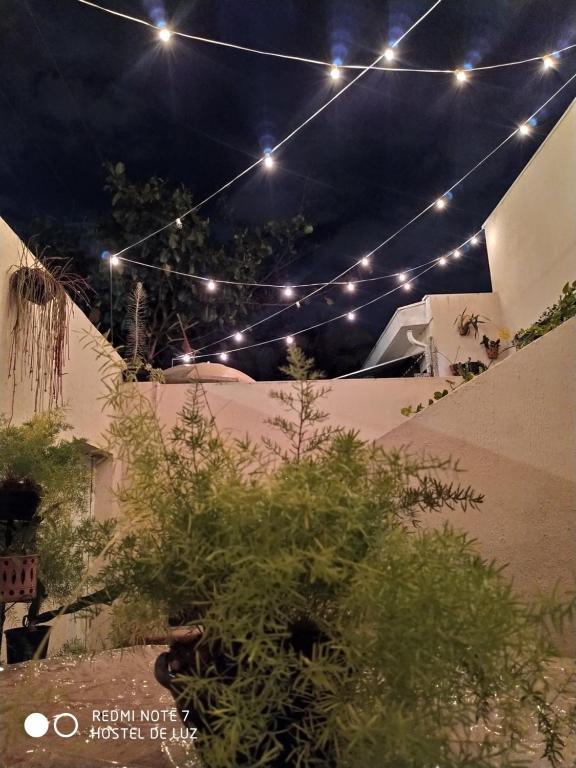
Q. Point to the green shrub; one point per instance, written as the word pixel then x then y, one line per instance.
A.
pixel 335 631
pixel 551 318
pixel 63 533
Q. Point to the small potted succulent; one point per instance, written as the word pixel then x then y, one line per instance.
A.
pixel 491 346
pixel 467 321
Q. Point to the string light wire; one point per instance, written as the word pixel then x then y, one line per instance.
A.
pixel 405 226
pixel 281 143
pixel 319 62
pixel 343 315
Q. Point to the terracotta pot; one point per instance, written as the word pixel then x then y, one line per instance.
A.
pixel 492 352
pixel 18 578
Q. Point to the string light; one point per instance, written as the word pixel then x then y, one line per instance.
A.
pixel 456 254
pixel 335 72
pixel 320 62
pixel 223 356
pixel 339 93
pixel 178 223
pixel 288 292
pixel 474 240
pixel 548 62
pixel 351 316
pixel 165 35
pixel 114 260
pixel 268 160
pixel 402 277
pixel 440 204
pixel 442 261
pixel 238 337
pixel 211 286
pixel 186 358
pixel 524 129
pixel 365 261
pixel 289 340
pixel 350 287
pixel 461 75
pixel 406 286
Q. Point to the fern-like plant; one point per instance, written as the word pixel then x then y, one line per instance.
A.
pixel 332 632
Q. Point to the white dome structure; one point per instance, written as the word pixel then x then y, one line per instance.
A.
pixel 205 373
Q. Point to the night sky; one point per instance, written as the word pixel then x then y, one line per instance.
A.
pixel 78 86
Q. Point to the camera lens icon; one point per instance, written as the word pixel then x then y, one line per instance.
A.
pixel 36 725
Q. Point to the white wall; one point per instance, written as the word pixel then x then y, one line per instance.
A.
pixel 514 433
pixel 83 390
pixel 531 234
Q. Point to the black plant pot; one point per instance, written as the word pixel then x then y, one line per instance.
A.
pixel 19 500
pixel 22 643
pixel 192 658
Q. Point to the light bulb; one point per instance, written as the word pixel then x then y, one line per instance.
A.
pixel 474 240
pixel 456 254
pixel 335 72
pixel 440 204
pixel 288 292
pixel 289 340
pixel 186 358
pixel 268 160
pixel 407 286
pixel 442 261
pixel 238 337
pixel 524 129
pixel 461 75
pixel 402 277
pixel 223 356
pixel 351 316
pixel 211 285
pixel 365 261
pixel 389 54
pixel 164 35
pixel 114 260
pixel 350 287
pixel 178 223
pixel 548 62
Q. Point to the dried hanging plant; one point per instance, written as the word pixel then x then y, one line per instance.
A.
pixel 42 310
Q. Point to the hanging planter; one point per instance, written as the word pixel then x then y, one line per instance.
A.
pixel 34 284
pixel 19 500
pixel 18 578
pixel 41 312
pixel 465 322
pixel 492 347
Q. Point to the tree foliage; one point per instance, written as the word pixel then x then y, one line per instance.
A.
pixel 180 308
pixel 336 632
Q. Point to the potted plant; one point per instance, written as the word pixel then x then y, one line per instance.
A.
pixel 46 530
pixel 467 321
pixel 468 369
pixel 319 627
pixel 41 312
pixel 137 369
pixel 491 346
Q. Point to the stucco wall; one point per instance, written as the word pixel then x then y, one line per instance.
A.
pixel 442 311
pixel 513 432
pixel 371 406
pixel 531 234
pixel 83 390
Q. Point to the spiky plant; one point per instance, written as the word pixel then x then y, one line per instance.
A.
pixel 136 337
pixel 334 633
